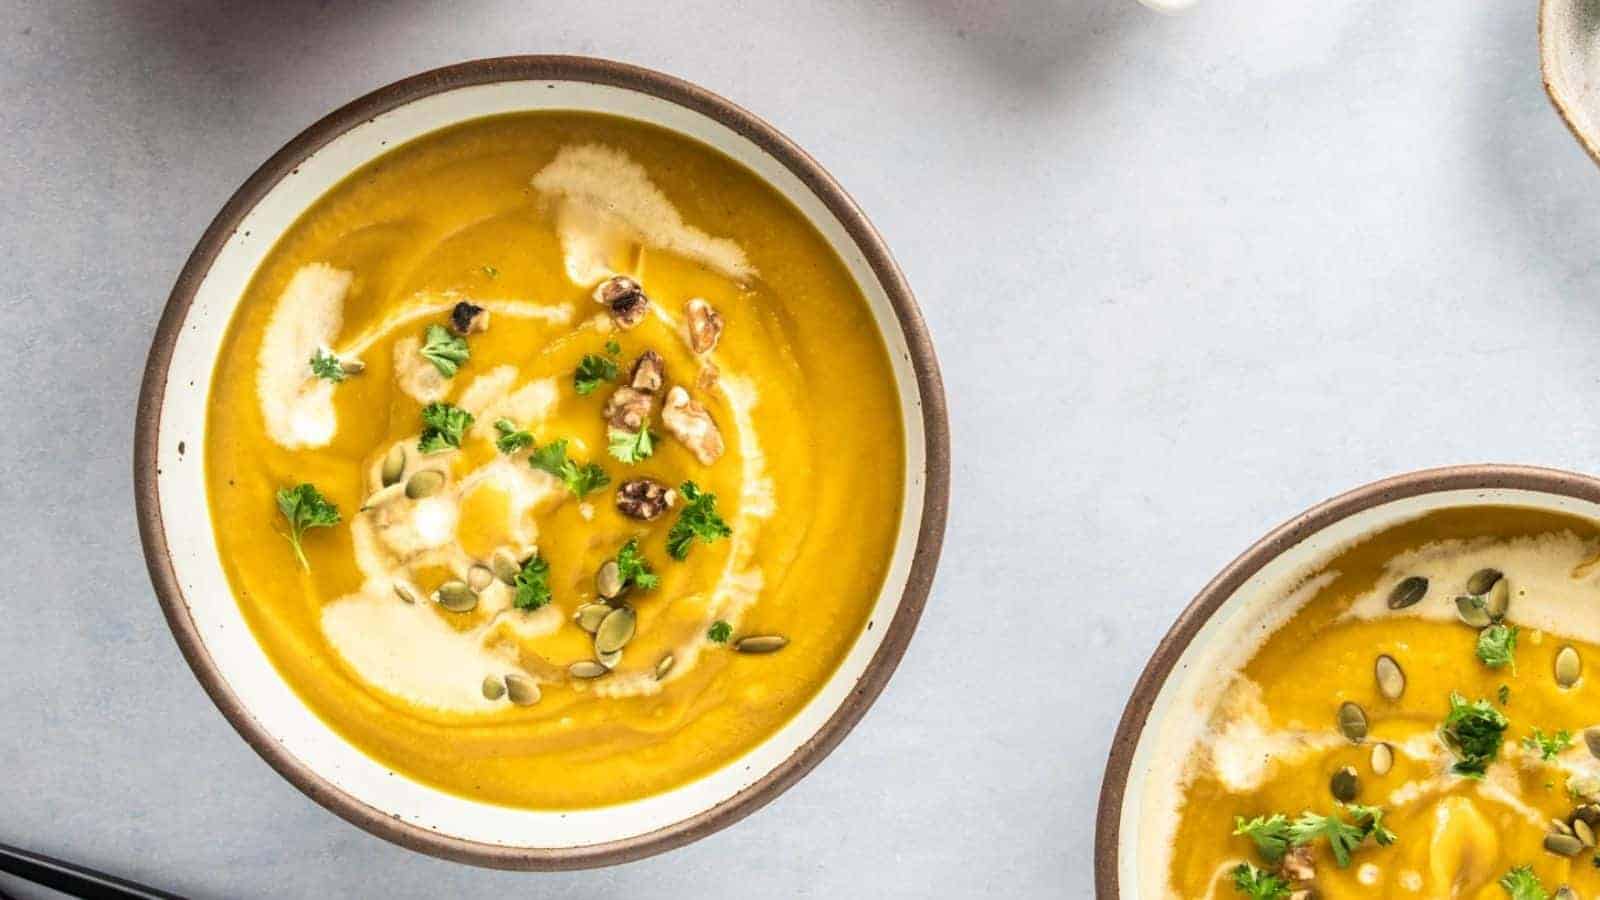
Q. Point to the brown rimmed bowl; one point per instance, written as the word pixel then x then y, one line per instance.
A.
pixel 1569 61
pixel 181 551
pixel 1237 598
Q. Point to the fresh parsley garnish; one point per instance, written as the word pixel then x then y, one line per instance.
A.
pixel 719 632
pixel 592 371
pixel 305 507
pixel 326 366
pixel 511 439
pixel 1522 884
pixel 443 426
pixel 1270 834
pixel 698 519
pixel 1258 884
pixel 1548 746
pixel 631 446
pixel 1473 732
pixel 532 584
pixel 1370 818
pixel 633 569
pixel 445 350
pixel 1342 836
pixel 613 348
pixel 1504 694
pixel 1497 646
pixel 580 480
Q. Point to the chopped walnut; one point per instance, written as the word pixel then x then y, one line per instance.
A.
pixel 625 298
pixel 705 325
pixel 648 372
pixel 644 499
pixel 689 422
pixel 467 318
pixel 1298 865
pixel 628 408
pixel 707 379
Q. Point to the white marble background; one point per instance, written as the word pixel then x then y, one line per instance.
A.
pixel 1188 276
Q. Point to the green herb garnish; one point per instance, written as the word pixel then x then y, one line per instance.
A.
pixel 1504 694
pixel 511 439
pixel 491 271
pixel 1370 818
pixel 1497 646
pixel 719 632
pixel 1342 836
pixel 592 370
pixel 532 584
pixel 1473 732
pixel 698 519
pixel 443 427
pixel 1258 884
pixel 580 480
pixel 1270 834
pixel 445 350
pixel 305 507
pixel 633 569
pixel 326 366
pixel 1522 884
pixel 1548 746
pixel 613 348
pixel 631 446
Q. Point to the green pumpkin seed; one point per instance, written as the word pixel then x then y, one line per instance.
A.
pixel 522 690
pixel 1352 722
pixel 352 366
pixel 493 688
pixel 1474 611
pixel 1582 831
pixel 1408 592
pixel 761 643
pixel 1591 736
pixel 479 578
pixel 394 464
pixel 425 483
pixel 1560 826
pixel 608 582
pixel 590 615
pixel 404 593
pixel 1569 667
pixel 1562 844
pixel 586 668
pixel 505 566
pixel 382 496
pixel 1391 680
pixel 1382 759
pixel 1565 893
pixel 457 597
pixel 1345 785
pixel 1588 815
pixel 609 660
pixel 1482 580
pixel 615 630
pixel 664 666
pixel 1498 600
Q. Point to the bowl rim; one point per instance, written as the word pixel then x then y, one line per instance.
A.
pixel 1135 714
pixel 931 402
pixel 1556 93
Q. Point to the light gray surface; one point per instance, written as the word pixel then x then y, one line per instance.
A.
pixel 1187 276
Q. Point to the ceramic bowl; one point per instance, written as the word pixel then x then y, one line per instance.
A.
pixel 1236 599
pixel 181 551
pixel 1569 58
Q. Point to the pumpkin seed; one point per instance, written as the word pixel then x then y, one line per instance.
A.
pixel 457 597
pixel 352 366
pixel 493 688
pixel 609 660
pixel 1560 826
pixel 425 483
pixel 1569 667
pixel 1482 580
pixel 1583 832
pixel 1408 592
pixel 589 616
pixel 394 464
pixel 522 690
pixel 761 643
pixel 1591 736
pixel 1382 759
pixel 586 668
pixel 1563 844
pixel 1352 722
pixel 664 666
pixel 1345 785
pixel 1498 600
pixel 1589 815
pixel 404 593
pixel 1474 611
pixel 505 566
pixel 608 582
pixel 615 630
pixel 1565 893
pixel 1391 680
pixel 479 578
pixel 381 496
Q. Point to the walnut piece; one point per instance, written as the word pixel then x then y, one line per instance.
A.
pixel 648 372
pixel 625 298
pixel 689 422
pixel 705 325
pixel 1298 865
pixel 467 318
pixel 707 379
pixel 644 499
pixel 628 409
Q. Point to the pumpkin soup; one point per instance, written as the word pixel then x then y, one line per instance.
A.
pixel 555 459
pixel 1413 719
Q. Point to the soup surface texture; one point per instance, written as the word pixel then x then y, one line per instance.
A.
pixel 615 449
pixel 1415 719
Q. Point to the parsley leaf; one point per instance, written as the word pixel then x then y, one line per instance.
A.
pixel 1504 694
pixel 1497 646
pixel 1522 884
pixel 1342 836
pixel 1270 833
pixel 633 569
pixel 1259 884
pixel 592 370
pixel 511 440
pixel 1548 746
pixel 613 348
pixel 1473 732
pixel 326 366
pixel 580 480
pixel 443 426
pixel 630 447
pixel 445 350
pixel 719 632
pixel 698 519
pixel 1373 826
pixel 305 507
pixel 532 584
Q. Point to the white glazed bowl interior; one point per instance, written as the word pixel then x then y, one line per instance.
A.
pixel 229 641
